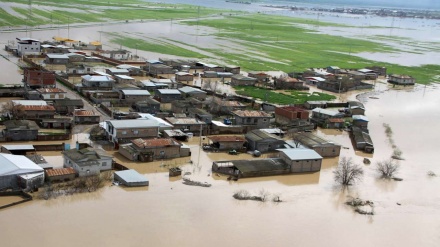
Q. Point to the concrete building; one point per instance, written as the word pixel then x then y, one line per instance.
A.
pixel 362 139
pixel 148 105
pixel 263 141
pixel 33 112
pixel 227 143
pixel 323 147
pixel 86 117
pixel 132 96
pixel 28 46
pixel 241 80
pixel 360 121
pixel 301 159
pixel 193 93
pixel 290 114
pixel 56 59
pixel 97 81
pixel 51 93
pixel 20 130
pixel 151 149
pixel 401 79
pixel 220 106
pixel 167 95
pixel 123 131
pixel 259 119
pixel 124 79
pixel 184 77
pixel 18 171
pixel 260 76
pixel 188 125
pixel 356 108
pixel 36 78
pixel 87 161
pixel 67 106
pixel 117 71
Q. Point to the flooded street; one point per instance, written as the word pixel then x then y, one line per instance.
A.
pixel 312 211
pixel 169 212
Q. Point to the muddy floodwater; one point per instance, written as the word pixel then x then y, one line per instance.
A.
pixel 312 212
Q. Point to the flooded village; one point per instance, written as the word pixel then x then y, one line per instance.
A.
pixel 144 148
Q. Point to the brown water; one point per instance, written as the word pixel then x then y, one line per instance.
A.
pixel 312 212
pixel 5 200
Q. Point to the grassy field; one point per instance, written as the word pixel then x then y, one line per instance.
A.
pixel 290 97
pixel 283 43
pixel 43 12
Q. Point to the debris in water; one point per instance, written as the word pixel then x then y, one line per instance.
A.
pixel 360 206
pixel 367 161
pixel 188 181
pixel 397 179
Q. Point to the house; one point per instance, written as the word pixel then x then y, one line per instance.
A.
pixel 33 112
pixel 188 125
pixel 227 142
pixel 87 161
pixel 200 114
pixel 260 76
pixel 369 74
pixel 362 139
pixel 184 77
pixel 320 145
pixel 116 71
pixel 131 178
pixel 150 149
pixel 55 123
pixel 132 70
pixel 124 79
pixel 97 81
pixel 36 78
pixel 356 108
pixel 290 114
pixel 221 106
pixel 321 117
pixel 67 106
pixel 301 159
pixel 233 69
pixel 314 80
pixel 360 121
pixel 60 174
pixel 132 96
pixel 86 117
pixel 193 93
pixel 28 46
pixel 184 106
pixel 161 70
pixel 76 57
pixel 401 79
pixel 148 105
pixel 150 63
pixel 287 83
pixel 56 59
pixel 163 125
pixel 356 75
pixel 123 131
pixel 263 141
pixel 333 69
pixel 167 95
pixel 117 54
pixel 312 104
pixel 259 119
pixel 164 83
pixel 334 123
pixel 176 134
pixel 17 171
pixel 212 67
pixel 381 71
pixel 148 85
pixel 51 93
pixel 241 80
pixel 78 69
pixel 20 130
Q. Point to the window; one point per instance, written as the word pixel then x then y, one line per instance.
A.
pixel 265 119
pixel 135 132
pixel 104 163
pixel 124 132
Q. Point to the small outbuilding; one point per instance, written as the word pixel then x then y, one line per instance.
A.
pixel 131 178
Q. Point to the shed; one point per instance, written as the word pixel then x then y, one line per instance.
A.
pixel 61 174
pixel 131 178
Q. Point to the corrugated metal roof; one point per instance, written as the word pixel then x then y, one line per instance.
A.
pixel 57 56
pixel 169 91
pixel 326 112
pixel 50 90
pixel 360 118
pixel 84 113
pixel 19 147
pixel 29 102
pixel 173 120
pixel 124 77
pixel 97 78
pixel 60 172
pixel 136 92
pixel 130 176
pixel 187 89
pixel 301 154
pixel 133 123
pixel 36 107
pixel 16 164
pixel 260 165
pixel 118 70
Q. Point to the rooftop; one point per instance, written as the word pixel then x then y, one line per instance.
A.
pixel 258 135
pixel 84 113
pixel 133 123
pixel 97 78
pixel 17 164
pixel 300 154
pixel 157 142
pixel 85 156
pixel 131 178
pixel 187 89
pixel 227 138
pixel 50 90
pixel 168 91
pixel 35 107
pixel 29 102
pixel 246 113
pixel 187 120
pixel 311 140
pixel 135 92
pixel 260 165
pixel 124 77
pixel 60 172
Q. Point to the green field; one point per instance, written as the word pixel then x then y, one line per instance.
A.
pixel 290 97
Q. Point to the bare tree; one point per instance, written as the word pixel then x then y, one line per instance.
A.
pixel 347 172
pixel 387 168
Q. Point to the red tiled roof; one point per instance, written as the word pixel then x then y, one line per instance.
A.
pixel 292 109
pixel 227 138
pixel 50 90
pixel 35 107
pixel 84 113
pixel 154 142
pixel 60 172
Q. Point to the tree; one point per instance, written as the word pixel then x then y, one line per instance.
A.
pixel 387 168
pixel 347 172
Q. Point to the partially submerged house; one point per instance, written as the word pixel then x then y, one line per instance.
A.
pixel 401 79
pixel 227 142
pixel 193 93
pixel 132 96
pixel 60 174
pixel 56 59
pixel 67 106
pixel 362 139
pixel 28 46
pixel 323 147
pixel 259 119
pixel 184 77
pixel 321 116
pixel 51 93
pixel 167 95
pixel 187 125
pixel 289 161
pixel 259 75
pixel 17 171
pixel 131 178
pixel 86 117
pixel 37 78
pixel 87 161
pixel 356 108
pixel 151 149
pixel 20 130
pixel 360 121
pixel 97 81
pixel 33 112
pixel 263 141
pixel 148 105
pixel 241 80
pixel 123 131
pixel 290 114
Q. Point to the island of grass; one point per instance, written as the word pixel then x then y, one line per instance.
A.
pixel 286 97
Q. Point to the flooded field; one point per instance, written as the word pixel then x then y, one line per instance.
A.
pixel 5 200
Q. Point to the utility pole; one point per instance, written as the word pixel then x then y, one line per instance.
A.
pixel 30 17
